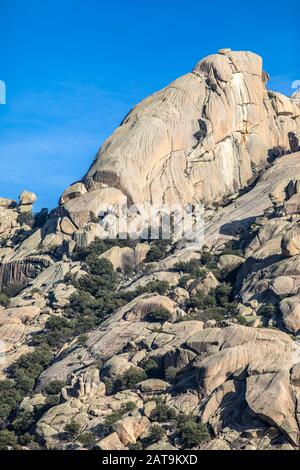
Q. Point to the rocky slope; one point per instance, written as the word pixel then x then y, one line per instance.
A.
pixel 122 344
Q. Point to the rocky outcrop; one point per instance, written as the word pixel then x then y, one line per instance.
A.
pixel 27 199
pixel 258 363
pixel 126 257
pixel 201 138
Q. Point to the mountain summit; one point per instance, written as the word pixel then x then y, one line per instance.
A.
pixel 200 139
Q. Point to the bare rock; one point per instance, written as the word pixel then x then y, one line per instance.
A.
pixel 205 283
pixel 130 428
pixel 290 243
pixel 153 386
pixel 111 442
pixel 290 309
pixel 230 262
pixel 141 306
pixel 74 191
pixel 62 294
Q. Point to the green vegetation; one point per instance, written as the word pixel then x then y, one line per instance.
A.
pixel 41 218
pixel 160 315
pixel 87 439
pixel 29 367
pixel 13 289
pixel 156 433
pixel 4 300
pixel 72 428
pixel 118 414
pixel 163 413
pixel 137 446
pixel 8 439
pixel 98 247
pixel 10 396
pixel 190 432
pixel 194 268
pixel 130 378
pixel 216 305
pixel 268 310
pixel 26 218
pixel 241 320
pixel 54 387
pixel 170 374
pixel 23 422
pixel 151 368
pixel 158 251
pixel 24 372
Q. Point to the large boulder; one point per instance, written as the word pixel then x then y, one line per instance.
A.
pixel 75 190
pixel 259 362
pixel 145 304
pixel 205 283
pixel 111 442
pixel 290 243
pixel 122 258
pixel 130 428
pixel 27 198
pixel 290 309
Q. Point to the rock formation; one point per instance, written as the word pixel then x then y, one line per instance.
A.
pixel 197 348
pixel 203 137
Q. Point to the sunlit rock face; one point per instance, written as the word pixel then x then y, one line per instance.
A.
pixel 202 138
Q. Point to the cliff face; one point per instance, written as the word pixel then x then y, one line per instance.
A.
pixel 203 137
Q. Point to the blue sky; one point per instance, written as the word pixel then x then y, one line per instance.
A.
pixel 74 68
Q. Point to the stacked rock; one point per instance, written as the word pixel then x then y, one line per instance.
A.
pixel 27 199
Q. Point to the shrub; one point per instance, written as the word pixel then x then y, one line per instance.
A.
pixel 51 400
pixel 130 378
pixel 10 396
pixel 201 300
pixel 82 339
pixel 4 300
pixel 136 446
pixel 268 310
pixel 12 290
pixel 161 315
pixel 232 247
pixel 223 293
pixel 98 246
pixel 87 439
pixel 118 414
pixel 54 387
pixel 163 413
pixel 155 434
pixel 192 267
pixel 190 432
pixel 241 320
pixel 23 421
pixel 72 428
pixel 170 374
pixel 57 331
pixel 41 218
pixel 28 367
pixel 158 251
pixel 7 439
pixel 161 287
pixel 151 368
pixel 26 218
